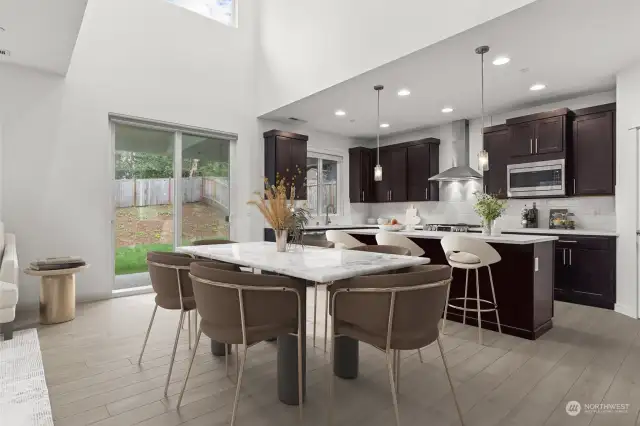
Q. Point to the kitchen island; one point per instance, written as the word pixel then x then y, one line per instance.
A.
pixel 523 279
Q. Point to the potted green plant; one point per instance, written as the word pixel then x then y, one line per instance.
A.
pixel 489 208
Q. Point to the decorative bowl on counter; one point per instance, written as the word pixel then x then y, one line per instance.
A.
pixel 392 228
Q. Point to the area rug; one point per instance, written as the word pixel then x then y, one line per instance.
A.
pixel 24 398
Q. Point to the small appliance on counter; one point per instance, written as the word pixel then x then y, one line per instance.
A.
pixel 529 217
pixel 561 219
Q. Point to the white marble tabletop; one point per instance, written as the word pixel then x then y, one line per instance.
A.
pixel 316 264
pixel 501 239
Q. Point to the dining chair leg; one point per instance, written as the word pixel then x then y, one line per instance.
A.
pixel 300 372
pixel 393 386
pixel 420 356
pixel 189 327
pixel 238 384
pixel 466 288
pixel 453 392
pixel 446 306
pixel 315 309
pixel 332 378
pixel 237 360
pixel 173 354
pixel 146 337
pixel 478 308
pixel 186 378
pixel 326 317
pixel 397 371
pixel 495 303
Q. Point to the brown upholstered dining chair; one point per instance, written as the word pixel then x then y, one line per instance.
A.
pixel 400 251
pixel 210 242
pixel 244 308
pixel 392 312
pixel 169 273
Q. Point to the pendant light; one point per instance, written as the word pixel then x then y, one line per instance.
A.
pixel 377 171
pixel 483 156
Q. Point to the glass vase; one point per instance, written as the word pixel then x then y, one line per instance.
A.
pixel 281 240
pixel 487 227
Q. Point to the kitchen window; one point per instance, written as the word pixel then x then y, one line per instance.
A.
pixel 323 183
pixel 223 11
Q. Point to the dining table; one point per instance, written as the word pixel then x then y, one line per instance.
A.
pixel 312 265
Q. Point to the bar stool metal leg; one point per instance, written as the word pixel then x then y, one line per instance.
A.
pixel 478 307
pixel 326 316
pixel 315 309
pixel 495 303
pixel 466 288
pixel 444 317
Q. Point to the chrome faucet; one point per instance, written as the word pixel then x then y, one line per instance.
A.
pixel 333 210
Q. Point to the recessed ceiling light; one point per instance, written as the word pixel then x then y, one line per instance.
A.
pixel 340 113
pixel 447 110
pixel 501 60
pixel 404 92
pixel 384 125
pixel 537 86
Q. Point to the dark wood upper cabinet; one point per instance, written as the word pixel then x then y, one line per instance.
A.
pixel 285 155
pixel 539 137
pixel 496 143
pixel 398 174
pixel 550 135
pixel 422 163
pixel 521 139
pixel 594 151
pixel 361 164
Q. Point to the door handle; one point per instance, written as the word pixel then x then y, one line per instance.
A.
pixel 570 256
pixel 536 145
pixel 564 256
pixel 531 146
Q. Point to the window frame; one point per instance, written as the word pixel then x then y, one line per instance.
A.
pixel 321 155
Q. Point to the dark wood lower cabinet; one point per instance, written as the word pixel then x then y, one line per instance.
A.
pixel 586 271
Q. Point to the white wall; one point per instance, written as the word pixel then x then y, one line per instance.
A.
pixel 310 45
pixel 329 144
pixel 177 67
pixel 627 186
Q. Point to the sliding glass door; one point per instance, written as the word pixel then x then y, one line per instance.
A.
pixel 171 187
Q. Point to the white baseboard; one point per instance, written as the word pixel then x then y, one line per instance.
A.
pixel 625 310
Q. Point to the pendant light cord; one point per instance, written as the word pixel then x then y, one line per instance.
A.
pixel 482 91
pixel 378 128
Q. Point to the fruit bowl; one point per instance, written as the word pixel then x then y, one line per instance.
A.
pixel 392 228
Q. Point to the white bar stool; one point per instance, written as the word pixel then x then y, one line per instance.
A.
pixel 385 238
pixel 470 253
pixel 342 240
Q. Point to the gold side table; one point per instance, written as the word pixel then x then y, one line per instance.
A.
pixel 57 294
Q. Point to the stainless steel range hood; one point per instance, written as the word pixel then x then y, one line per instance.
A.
pixel 460 170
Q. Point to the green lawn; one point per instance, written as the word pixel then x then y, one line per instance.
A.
pixel 130 260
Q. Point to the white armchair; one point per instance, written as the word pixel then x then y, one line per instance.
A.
pixel 9 271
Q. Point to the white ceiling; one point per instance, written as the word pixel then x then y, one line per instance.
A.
pixel 573 46
pixel 40 33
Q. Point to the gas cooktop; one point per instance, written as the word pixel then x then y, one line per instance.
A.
pixel 451 227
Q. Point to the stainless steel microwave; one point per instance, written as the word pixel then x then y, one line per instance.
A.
pixel 539 179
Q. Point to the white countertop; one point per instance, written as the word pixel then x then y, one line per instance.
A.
pixel 502 239
pixel 332 226
pixel 562 231
pixel 316 264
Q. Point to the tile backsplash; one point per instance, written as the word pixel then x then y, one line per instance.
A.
pixel 597 213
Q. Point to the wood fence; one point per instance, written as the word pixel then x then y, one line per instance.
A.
pixel 154 192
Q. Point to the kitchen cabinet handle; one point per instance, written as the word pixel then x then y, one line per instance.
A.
pixel 363 196
pixel 574 186
pixel 426 193
pixel 391 195
pixel 570 256
pixel 569 241
pixel 485 189
pixel 531 146
pixel 536 145
pixel 564 256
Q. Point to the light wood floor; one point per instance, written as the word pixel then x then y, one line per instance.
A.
pixel 590 356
